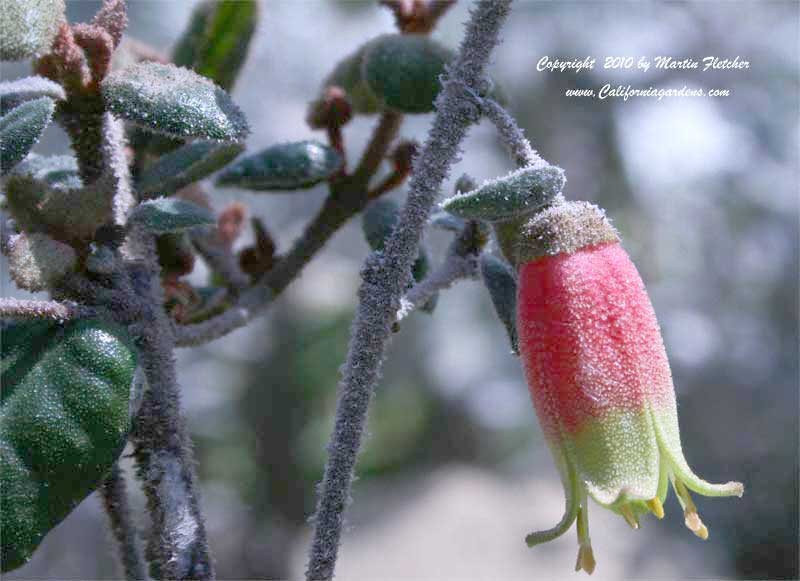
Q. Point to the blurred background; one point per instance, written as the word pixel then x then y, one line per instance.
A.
pixel 455 473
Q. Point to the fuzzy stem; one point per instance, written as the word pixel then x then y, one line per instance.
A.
pixel 511 134
pixel 11 308
pixel 177 546
pixel 386 276
pixel 115 501
pixel 219 258
pixel 454 268
pixel 382 138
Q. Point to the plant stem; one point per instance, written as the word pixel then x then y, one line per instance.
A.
pixel 511 134
pixel 347 197
pixel 11 308
pixel 386 275
pixel 115 501
pixel 177 547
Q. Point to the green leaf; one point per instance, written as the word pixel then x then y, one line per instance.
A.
pixel 520 192
pixel 63 423
pixel 14 93
pixel 499 279
pixel 27 27
pixel 60 172
pixel 186 165
pixel 173 101
pixel 20 130
pixel 348 76
pixel 215 44
pixel 379 220
pixel 165 215
pixel 403 71
pixel 286 166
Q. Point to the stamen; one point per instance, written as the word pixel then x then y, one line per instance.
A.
pixel 655 506
pixel 585 560
pixel 690 516
pixel 694 524
pixel 629 517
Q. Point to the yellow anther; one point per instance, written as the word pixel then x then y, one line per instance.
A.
pixel 629 517
pixel 694 524
pixel 655 506
pixel 585 560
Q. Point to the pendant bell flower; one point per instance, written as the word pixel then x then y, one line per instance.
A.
pixel 598 375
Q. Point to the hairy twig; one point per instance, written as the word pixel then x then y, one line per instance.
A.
pixel 461 262
pixel 511 134
pixel 177 546
pixel 219 258
pixel 453 269
pixel 11 308
pixel 115 501
pixel 386 275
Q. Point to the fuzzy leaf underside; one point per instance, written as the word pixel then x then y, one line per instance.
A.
pixel 14 93
pixel 27 27
pixel 187 164
pixel 520 192
pixel 175 102
pixel 63 423
pixel 60 172
pixel 498 277
pixel 216 42
pixel 20 130
pixel 165 215
pixel 286 166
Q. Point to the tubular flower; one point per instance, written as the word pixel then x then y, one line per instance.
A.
pixel 598 375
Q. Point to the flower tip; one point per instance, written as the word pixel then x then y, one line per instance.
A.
pixel 585 560
pixel 737 488
pixel 655 506
pixel 694 524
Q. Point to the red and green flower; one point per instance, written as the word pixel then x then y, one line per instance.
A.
pixel 598 375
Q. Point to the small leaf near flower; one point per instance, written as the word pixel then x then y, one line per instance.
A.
pixel 20 130
pixel 286 166
pixel 165 215
pixel 499 279
pixel 173 101
pixel 520 192
pixel 187 164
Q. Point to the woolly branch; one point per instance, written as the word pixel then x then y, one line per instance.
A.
pixel 115 501
pixel 177 546
pixel 461 262
pixel 219 258
pixel 386 275
pixel 511 134
pixel 11 308
pixel 454 268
